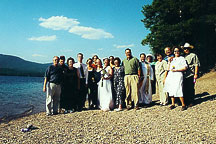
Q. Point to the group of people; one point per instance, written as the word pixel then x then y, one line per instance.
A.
pixel 111 84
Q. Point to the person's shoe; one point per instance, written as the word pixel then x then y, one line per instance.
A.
pixel 118 109
pixel 71 111
pixel 162 104
pixel 91 107
pixel 136 107
pixel 171 107
pixel 129 108
pixel 55 113
pixel 48 114
pixel 105 110
pixel 190 105
pixel 183 108
pixel 79 109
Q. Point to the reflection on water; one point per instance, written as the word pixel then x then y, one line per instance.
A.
pixel 20 94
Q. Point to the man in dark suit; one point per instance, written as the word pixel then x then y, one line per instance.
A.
pixel 83 71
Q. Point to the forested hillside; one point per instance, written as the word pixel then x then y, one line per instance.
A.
pixel 15 66
pixel 175 22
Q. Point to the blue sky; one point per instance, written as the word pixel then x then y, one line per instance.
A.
pixel 36 30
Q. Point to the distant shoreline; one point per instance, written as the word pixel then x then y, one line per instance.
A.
pixel 23 75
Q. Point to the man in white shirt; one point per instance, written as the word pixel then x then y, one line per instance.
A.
pixel 83 71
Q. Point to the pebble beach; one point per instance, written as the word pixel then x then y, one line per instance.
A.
pixel 155 124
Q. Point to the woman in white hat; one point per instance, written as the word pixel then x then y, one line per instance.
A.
pixel 145 87
pixel 150 59
pixel 190 75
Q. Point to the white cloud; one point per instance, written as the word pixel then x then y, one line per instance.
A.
pixel 100 49
pixel 72 25
pixel 90 33
pixel 38 55
pixel 43 38
pixel 124 46
pixel 58 22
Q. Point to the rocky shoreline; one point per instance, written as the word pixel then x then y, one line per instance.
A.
pixel 154 124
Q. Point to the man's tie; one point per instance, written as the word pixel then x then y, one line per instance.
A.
pixel 82 71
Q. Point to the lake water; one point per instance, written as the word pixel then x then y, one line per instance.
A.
pixel 21 95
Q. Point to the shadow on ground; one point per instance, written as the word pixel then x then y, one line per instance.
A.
pixel 203 97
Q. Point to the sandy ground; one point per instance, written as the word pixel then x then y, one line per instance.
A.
pixel 154 124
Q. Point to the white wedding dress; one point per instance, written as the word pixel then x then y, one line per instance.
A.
pixel 105 92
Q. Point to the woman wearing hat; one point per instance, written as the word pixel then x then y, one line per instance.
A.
pixel 150 59
pixel 145 87
pixel 190 75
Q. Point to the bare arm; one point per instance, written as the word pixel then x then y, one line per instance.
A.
pixel 196 72
pixel 111 72
pixel 165 75
pixel 139 72
pixel 44 86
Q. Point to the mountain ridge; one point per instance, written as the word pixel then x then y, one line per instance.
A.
pixel 16 66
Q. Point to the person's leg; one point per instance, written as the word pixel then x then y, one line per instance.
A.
pixel 173 100
pixel 161 93
pixel 134 90
pixel 121 93
pixel 89 92
pixel 82 94
pixel 95 96
pixel 49 100
pixel 182 101
pixel 76 98
pixel 92 96
pixel 188 90
pixel 56 99
pixel 191 91
pixel 62 97
pixel 173 103
pixel 128 90
pixel 117 98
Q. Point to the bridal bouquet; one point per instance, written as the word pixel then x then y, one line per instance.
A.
pixel 103 74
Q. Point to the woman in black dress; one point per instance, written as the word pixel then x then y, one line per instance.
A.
pixel 72 84
pixel 92 85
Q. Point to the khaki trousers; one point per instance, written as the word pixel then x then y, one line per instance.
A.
pixel 53 98
pixel 131 86
pixel 163 95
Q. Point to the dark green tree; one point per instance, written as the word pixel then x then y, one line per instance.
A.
pixel 174 22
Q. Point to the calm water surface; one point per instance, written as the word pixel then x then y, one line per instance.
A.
pixel 21 94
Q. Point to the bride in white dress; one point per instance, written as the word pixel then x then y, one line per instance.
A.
pixel 104 87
